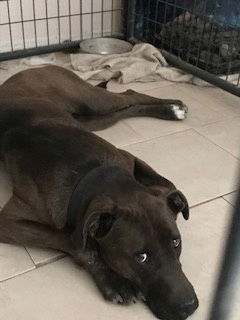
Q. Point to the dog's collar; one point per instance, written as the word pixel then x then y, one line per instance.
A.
pixel 88 186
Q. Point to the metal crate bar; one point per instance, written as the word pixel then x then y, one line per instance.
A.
pixel 202 74
pixel 17 54
pixel 230 271
pixel 32 27
pixel 203 44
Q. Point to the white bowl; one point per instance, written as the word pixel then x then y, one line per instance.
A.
pixel 105 46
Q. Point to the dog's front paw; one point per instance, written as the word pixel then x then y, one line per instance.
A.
pixel 179 110
pixel 117 289
pixel 122 295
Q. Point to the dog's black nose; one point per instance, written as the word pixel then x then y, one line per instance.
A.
pixel 187 308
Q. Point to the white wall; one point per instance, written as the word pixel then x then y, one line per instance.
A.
pixel 78 26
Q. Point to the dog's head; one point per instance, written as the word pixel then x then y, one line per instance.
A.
pixel 137 236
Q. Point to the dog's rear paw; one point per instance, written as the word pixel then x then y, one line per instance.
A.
pixel 118 290
pixel 179 110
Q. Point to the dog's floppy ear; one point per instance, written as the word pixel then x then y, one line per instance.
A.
pixel 178 203
pixel 97 222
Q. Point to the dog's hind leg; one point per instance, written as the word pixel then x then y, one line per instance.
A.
pixel 16 229
pixel 105 108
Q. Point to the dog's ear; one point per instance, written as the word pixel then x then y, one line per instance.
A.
pixel 178 203
pixel 97 222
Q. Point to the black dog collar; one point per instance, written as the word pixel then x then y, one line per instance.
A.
pixel 88 186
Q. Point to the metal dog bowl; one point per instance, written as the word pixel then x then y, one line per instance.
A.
pixel 105 46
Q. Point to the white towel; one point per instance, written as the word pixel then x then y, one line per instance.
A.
pixel 144 63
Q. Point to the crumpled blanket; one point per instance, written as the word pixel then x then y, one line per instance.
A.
pixel 144 63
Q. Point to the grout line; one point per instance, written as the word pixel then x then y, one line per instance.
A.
pixel 50 260
pixel 17 275
pixel 226 194
pixel 205 202
pixel 217 121
pixel 209 140
pixel 148 139
pixel 159 87
pixel 151 139
pixel 154 88
pixel 212 199
pixel 184 93
pixel 214 97
pixel 143 90
pixel 29 270
pixel 129 127
pixel 30 257
pixel 228 202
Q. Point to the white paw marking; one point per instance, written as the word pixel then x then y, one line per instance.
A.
pixel 180 114
pixel 175 107
pixel 118 299
pixel 179 111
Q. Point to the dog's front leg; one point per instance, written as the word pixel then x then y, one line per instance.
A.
pixel 15 228
pixel 112 286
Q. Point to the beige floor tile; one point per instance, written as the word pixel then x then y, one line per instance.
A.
pixel 120 134
pixel 199 114
pixel 227 99
pixel 231 198
pixel 14 260
pixel 5 186
pixel 61 290
pixel 114 86
pixel 226 134
pixel 149 128
pixel 199 168
pixel 222 102
pixel 43 256
pixel 204 237
pixel 221 95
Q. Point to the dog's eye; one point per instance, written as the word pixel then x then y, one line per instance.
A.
pixel 141 257
pixel 176 242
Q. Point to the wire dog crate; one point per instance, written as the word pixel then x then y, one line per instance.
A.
pixel 200 36
pixel 30 27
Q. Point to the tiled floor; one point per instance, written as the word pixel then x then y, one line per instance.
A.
pixel 201 155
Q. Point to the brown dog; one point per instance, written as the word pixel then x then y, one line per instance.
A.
pixel 74 192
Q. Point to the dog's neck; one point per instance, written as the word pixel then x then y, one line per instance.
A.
pixel 94 182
